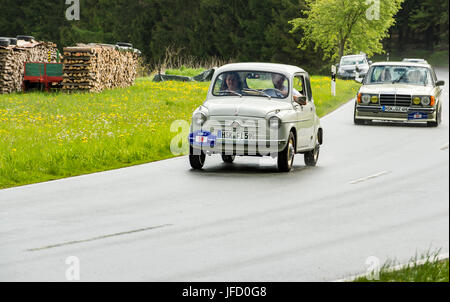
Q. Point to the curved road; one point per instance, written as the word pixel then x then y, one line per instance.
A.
pixel 380 190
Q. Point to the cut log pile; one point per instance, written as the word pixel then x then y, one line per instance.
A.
pixel 13 57
pixel 95 67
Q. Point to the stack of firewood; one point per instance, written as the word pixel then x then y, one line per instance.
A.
pixel 95 67
pixel 13 57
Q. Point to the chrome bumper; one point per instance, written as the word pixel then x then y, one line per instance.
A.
pixel 377 113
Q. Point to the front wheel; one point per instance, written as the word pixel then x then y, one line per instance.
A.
pixel 311 157
pixel 355 120
pixel 438 119
pixel 286 157
pixel 229 159
pixel 196 160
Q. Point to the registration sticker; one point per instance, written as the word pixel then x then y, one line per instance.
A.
pixel 202 138
pixel 417 116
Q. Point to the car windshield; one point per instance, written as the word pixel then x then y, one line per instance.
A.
pixel 252 83
pixel 399 74
pixel 352 61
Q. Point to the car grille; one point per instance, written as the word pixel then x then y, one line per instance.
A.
pixel 244 123
pixel 395 100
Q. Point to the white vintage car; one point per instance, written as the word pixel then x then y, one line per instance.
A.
pixel 257 109
pixel 400 92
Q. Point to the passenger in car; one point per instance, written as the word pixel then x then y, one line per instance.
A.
pixel 414 77
pixel 232 83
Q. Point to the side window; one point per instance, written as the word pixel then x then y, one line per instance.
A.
pixel 299 85
pixel 308 88
pixel 434 75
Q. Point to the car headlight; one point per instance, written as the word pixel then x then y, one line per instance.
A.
pixel 365 99
pixel 426 101
pixel 417 100
pixel 374 99
pixel 275 122
pixel 199 118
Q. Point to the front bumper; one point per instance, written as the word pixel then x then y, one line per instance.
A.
pixel 413 114
pixel 240 147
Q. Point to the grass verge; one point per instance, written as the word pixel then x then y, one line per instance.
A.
pixel 427 268
pixel 48 136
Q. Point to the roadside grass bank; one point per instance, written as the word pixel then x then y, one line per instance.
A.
pixel 48 136
pixel 185 71
pixel 427 268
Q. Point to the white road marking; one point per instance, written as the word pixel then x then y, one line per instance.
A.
pixel 444 147
pixel 369 177
pixel 97 238
pixel 397 267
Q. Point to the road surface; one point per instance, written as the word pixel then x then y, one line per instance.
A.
pixel 379 191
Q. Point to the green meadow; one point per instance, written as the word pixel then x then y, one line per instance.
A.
pixel 47 136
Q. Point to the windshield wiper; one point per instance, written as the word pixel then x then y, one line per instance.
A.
pixel 258 91
pixel 229 91
pixel 400 78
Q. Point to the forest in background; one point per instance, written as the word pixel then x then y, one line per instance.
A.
pixel 209 30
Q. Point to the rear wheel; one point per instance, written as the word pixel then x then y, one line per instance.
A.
pixel 311 157
pixel 196 160
pixel 286 157
pixel 229 159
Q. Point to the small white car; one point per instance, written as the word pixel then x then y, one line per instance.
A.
pixel 400 92
pixel 353 66
pixel 257 109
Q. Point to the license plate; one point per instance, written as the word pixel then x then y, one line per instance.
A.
pixel 395 109
pixel 238 135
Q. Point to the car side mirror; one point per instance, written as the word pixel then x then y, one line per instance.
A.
pixel 301 100
pixel 370 62
pixel 440 83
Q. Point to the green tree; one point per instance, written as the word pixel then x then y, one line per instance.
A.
pixel 340 27
pixel 431 19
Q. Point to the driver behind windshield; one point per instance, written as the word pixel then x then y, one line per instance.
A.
pixel 278 81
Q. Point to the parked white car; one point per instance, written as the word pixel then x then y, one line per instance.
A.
pixel 402 92
pixel 257 109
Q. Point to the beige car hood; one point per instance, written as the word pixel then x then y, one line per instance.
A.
pixel 397 89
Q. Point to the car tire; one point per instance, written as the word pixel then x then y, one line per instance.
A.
pixel 196 161
pixel 312 157
pixel 286 157
pixel 438 119
pixel 229 159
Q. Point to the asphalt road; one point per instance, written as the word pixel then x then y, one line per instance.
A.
pixel 379 190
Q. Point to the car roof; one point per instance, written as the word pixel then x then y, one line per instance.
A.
pixel 356 56
pixel 414 60
pixel 393 63
pixel 279 68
